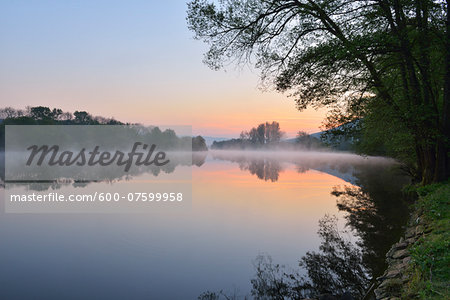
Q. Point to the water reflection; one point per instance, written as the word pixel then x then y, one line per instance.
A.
pixel 247 202
pixel 268 165
pixel 374 213
pixel 109 175
pixel 263 169
pixel 336 269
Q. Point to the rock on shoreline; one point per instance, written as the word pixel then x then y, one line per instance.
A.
pixel 393 280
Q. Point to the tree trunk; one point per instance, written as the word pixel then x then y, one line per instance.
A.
pixel 426 161
pixel 443 161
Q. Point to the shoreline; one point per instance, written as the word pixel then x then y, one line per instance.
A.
pixel 411 273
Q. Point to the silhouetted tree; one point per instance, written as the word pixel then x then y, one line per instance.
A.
pixel 387 60
pixel 82 117
pixel 9 112
pixel 199 144
pixel 273 133
pixel 307 141
pixel 265 133
pixel 56 113
pixel 41 113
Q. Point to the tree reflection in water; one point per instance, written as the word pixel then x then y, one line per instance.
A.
pixel 110 176
pixel 374 212
pixel 336 269
pixel 264 169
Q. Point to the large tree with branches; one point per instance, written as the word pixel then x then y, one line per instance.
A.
pixel 382 60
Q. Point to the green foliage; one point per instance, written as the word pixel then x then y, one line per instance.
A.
pixel 382 62
pixel 382 134
pixel 431 255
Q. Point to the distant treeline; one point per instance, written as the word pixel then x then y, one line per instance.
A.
pixel 41 115
pixel 268 136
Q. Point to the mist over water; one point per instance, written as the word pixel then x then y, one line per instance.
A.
pixel 313 158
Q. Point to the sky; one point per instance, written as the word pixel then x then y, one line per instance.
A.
pixel 132 60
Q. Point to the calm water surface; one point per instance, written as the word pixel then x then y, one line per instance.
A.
pixel 244 205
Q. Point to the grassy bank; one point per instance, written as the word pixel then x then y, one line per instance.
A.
pixel 430 268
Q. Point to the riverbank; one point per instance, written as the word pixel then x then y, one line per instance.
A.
pixel 418 265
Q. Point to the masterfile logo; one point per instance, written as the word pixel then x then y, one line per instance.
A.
pixel 141 161
pixel 96 157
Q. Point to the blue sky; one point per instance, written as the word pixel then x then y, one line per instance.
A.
pixel 132 60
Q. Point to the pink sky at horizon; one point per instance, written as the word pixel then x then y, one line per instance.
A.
pixel 226 126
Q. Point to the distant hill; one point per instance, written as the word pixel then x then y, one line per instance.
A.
pixel 336 138
pixel 314 135
pixel 294 140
